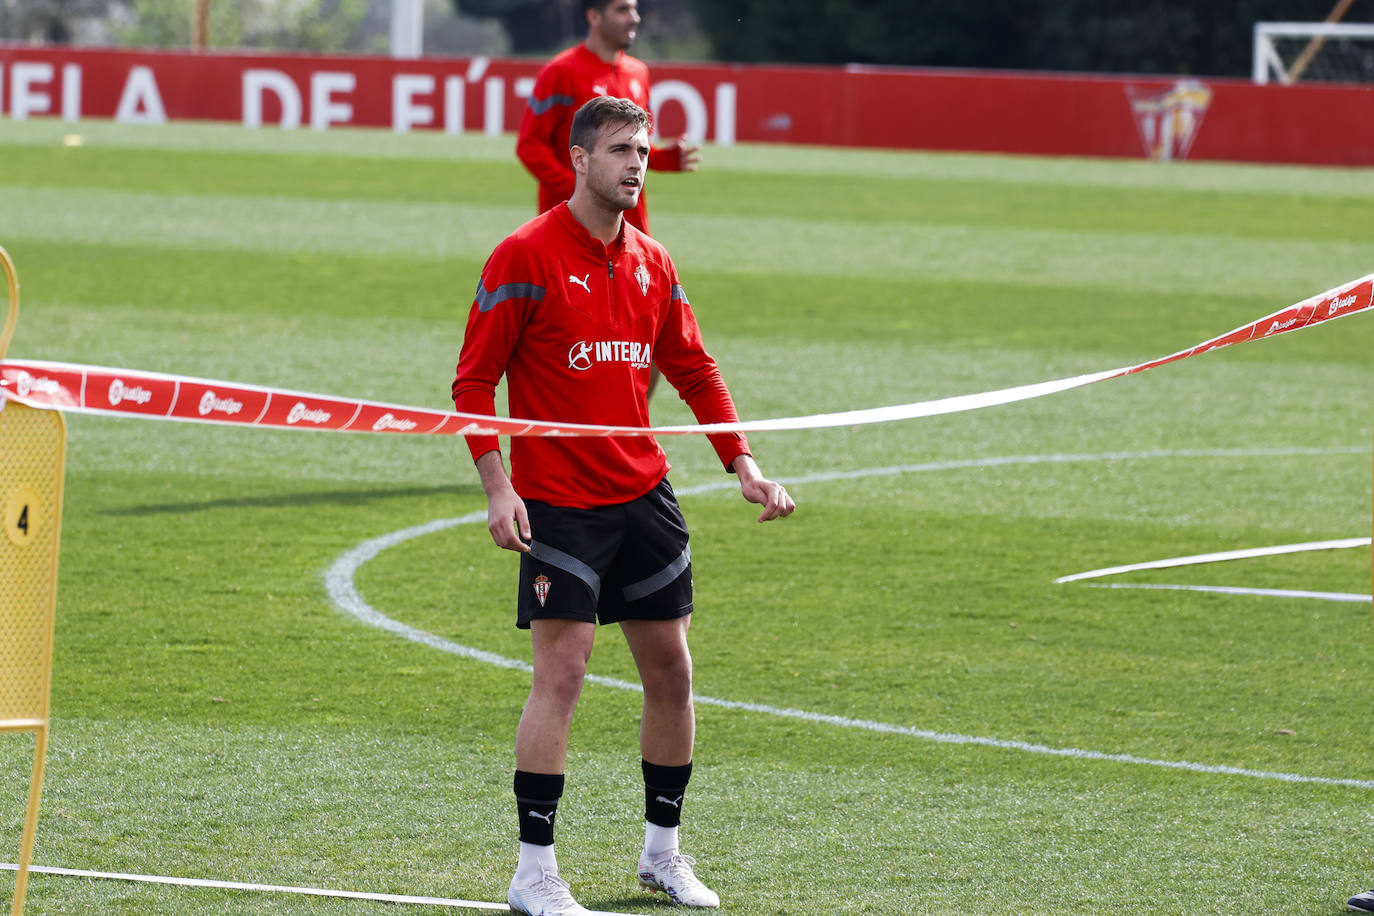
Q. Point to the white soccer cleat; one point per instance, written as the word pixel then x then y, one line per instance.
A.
pixel 672 873
pixel 549 896
pixel 1361 903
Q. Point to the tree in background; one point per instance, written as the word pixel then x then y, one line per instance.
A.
pixel 307 25
pixel 1123 36
pixel 330 26
pixel 1206 39
pixel 1132 36
pixel 533 25
pixel 56 21
pixel 863 31
pixel 542 27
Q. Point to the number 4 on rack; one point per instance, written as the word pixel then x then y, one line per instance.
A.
pixel 23 516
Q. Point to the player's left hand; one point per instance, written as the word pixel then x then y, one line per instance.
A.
pixel 756 488
pixel 772 496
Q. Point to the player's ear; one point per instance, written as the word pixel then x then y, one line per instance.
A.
pixel 579 159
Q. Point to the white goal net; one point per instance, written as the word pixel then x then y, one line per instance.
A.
pixel 1330 52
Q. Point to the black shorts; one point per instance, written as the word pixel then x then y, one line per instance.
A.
pixel 629 561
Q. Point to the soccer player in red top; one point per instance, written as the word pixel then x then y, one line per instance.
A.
pixel 572 308
pixel 597 66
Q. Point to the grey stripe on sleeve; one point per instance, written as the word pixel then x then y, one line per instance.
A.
pixel 569 564
pixel 665 576
pixel 539 106
pixel 490 299
pixel 678 293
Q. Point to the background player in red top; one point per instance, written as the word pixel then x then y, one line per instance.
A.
pixel 597 66
pixel 572 308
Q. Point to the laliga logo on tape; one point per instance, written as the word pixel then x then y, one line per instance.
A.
pixel 63 386
pixel 209 403
pixel 120 392
pixel 299 413
pixel 1353 300
pixel 388 421
pixel 26 384
pixel 1340 302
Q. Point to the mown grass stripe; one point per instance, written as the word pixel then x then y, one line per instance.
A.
pixel 1207 177
pixel 862 200
pixel 1159 262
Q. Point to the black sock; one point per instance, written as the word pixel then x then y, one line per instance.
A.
pixel 536 798
pixel 664 789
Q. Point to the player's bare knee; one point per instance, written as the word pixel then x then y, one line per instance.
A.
pixel 560 682
pixel 670 683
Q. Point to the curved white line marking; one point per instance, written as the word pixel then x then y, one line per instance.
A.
pixel 339 583
pixel 261 888
pixel 1198 559
pixel 274 888
pixel 1350 597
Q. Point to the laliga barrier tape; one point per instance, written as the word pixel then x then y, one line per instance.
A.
pixel 128 392
pixel 275 888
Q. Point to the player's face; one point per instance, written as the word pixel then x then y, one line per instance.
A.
pixel 617 23
pixel 616 165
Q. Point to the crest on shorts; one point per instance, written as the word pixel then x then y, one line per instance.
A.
pixel 541 588
pixel 642 276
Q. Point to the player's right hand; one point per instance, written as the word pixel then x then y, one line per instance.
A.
pixel 508 522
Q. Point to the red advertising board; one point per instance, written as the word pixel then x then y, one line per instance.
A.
pixel 901 108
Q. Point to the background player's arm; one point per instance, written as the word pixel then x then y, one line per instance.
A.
pixel 676 156
pixel 535 148
pixel 536 145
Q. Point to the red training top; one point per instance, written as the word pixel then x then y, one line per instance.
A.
pixel 574 325
pixel 564 85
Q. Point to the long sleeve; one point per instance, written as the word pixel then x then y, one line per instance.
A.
pixel 666 158
pixel 542 142
pixel 682 357
pixel 499 311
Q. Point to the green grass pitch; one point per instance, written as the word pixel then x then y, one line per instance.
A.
pixel 215 715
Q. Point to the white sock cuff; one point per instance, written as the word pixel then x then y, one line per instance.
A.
pixel 658 840
pixel 534 861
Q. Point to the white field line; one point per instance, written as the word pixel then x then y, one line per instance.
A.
pixel 273 888
pixel 262 888
pixel 1198 559
pixel 1224 556
pixel 342 591
pixel 1350 597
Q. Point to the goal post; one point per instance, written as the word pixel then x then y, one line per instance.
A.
pixel 32 455
pixel 1286 52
